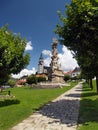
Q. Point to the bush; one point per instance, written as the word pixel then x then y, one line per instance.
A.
pixel 67 77
pixel 11 82
pixel 78 77
pixel 32 79
pixel 41 79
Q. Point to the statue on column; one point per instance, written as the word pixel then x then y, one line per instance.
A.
pixel 54 62
pixel 56 73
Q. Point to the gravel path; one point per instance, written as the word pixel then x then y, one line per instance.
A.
pixel 60 114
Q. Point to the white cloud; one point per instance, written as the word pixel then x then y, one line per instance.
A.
pixel 29 46
pixel 47 59
pixel 46 52
pixel 24 72
pixel 66 59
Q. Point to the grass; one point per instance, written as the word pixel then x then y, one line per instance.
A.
pixel 25 102
pixel 88 118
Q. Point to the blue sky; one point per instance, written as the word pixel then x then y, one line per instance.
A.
pixel 35 20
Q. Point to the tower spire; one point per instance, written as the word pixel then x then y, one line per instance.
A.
pixel 41 64
pixel 41 57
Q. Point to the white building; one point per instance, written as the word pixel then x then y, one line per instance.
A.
pixel 76 72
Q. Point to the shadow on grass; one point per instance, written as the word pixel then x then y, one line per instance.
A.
pixel 88 111
pixel 8 102
pixel 90 94
pixel 88 107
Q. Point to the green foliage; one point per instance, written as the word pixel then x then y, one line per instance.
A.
pixel 12 82
pixel 74 78
pixel 41 79
pixel 7 102
pixel 79 32
pixel 67 77
pixel 12 56
pixel 32 79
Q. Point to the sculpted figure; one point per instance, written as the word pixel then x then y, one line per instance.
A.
pixel 56 74
pixel 54 52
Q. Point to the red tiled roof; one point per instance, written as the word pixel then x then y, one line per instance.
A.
pixel 68 73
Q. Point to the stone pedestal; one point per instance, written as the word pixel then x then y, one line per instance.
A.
pixel 57 76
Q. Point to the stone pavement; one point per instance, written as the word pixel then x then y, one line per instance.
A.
pixel 60 114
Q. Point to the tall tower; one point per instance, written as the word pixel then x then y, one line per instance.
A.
pixel 41 64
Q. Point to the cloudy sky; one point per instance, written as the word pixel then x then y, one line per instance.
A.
pixel 35 20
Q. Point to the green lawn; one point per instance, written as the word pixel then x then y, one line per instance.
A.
pixel 88 118
pixel 25 102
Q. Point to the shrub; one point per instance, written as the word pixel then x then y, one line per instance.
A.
pixel 41 79
pixel 11 82
pixel 32 79
pixel 67 77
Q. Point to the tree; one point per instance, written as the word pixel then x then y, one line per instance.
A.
pixel 41 79
pixel 12 82
pixel 79 32
pixel 88 76
pixel 67 77
pixel 86 68
pixel 32 79
pixel 12 56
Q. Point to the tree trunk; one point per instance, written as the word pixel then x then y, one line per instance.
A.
pixel 97 84
pixel 87 81
pixel 91 84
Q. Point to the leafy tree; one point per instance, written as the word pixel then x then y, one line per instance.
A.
pixel 79 32
pixel 12 82
pixel 41 79
pixel 87 71
pixel 32 79
pixel 67 77
pixel 88 76
pixel 12 56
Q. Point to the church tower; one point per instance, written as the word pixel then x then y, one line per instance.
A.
pixel 41 64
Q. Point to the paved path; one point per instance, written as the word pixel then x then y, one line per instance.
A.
pixel 60 114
